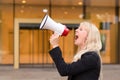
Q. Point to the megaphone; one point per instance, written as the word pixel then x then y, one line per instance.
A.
pixel 48 23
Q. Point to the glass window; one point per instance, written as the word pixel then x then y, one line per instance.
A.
pixel 33 43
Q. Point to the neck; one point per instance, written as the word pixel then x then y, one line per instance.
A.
pixel 81 47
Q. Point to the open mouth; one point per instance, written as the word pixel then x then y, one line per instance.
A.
pixel 76 37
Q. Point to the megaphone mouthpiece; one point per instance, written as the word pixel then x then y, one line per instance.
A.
pixel 65 32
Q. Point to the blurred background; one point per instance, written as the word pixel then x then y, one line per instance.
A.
pixel 23 44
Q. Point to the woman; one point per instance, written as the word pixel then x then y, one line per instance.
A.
pixel 86 64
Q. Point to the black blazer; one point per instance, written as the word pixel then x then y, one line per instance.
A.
pixel 87 68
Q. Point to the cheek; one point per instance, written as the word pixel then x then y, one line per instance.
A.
pixel 85 35
pixel 78 41
pixel 84 38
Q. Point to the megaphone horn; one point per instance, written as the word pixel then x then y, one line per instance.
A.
pixel 48 23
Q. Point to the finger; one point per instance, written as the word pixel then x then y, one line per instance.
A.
pixel 56 35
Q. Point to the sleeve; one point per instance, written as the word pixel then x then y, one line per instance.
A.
pixel 86 63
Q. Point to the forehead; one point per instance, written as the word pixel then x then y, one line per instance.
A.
pixel 82 27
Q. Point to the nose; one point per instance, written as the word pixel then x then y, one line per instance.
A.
pixel 76 29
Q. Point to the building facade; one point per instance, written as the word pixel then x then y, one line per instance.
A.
pixel 23 43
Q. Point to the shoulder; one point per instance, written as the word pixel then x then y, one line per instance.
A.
pixel 91 57
pixel 91 54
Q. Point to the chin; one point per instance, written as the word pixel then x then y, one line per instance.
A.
pixel 76 43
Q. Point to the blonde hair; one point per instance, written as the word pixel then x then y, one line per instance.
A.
pixel 93 43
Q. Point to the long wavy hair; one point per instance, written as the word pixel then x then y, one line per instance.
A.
pixel 92 43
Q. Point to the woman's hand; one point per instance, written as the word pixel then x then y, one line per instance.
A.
pixel 54 40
